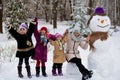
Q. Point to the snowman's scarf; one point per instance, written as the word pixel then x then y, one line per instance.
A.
pixel 95 36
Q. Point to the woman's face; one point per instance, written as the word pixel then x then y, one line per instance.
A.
pixel 76 34
pixel 22 31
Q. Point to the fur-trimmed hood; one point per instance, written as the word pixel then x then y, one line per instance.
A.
pixel 71 33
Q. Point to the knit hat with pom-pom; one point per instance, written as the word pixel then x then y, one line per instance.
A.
pixel 43 28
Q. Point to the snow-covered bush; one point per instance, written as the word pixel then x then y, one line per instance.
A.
pixel 7 51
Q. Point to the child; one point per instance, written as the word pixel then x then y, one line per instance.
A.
pixel 41 49
pixel 59 56
pixel 25 47
pixel 73 40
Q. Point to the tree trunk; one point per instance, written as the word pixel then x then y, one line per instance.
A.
pixel 90 7
pixel 1 13
pixel 46 14
pixel 71 9
pixel 55 4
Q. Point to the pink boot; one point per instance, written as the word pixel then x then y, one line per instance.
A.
pixel 54 72
pixel 60 72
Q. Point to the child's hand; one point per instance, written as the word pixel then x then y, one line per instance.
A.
pixel 36 19
pixel 48 36
pixel 88 38
pixel 66 32
pixel 7 23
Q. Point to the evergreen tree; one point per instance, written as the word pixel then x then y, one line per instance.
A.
pixel 17 12
pixel 80 17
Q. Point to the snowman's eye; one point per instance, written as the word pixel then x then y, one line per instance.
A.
pixel 98 19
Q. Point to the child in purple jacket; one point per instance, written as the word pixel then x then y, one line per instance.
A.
pixel 40 56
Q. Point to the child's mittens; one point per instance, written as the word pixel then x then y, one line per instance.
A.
pixel 34 21
pixel 51 36
pixel 8 25
pixel 48 36
pixel 66 32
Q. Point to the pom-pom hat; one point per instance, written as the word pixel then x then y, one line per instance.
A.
pixel 43 28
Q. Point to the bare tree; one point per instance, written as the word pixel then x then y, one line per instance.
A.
pixel 46 8
pixel 91 5
pixel 72 3
pixel 54 11
pixel 1 13
pixel 62 7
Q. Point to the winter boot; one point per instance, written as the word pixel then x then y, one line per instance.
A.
pixel 20 71
pixel 90 73
pixel 87 75
pixel 60 72
pixel 44 71
pixel 28 71
pixel 37 71
pixel 54 72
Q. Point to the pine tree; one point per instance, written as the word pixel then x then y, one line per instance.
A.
pixel 17 12
pixel 80 17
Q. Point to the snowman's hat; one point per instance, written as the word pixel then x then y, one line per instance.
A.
pixel 99 10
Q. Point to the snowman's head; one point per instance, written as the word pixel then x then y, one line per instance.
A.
pixel 99 21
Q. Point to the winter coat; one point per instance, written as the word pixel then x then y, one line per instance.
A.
pixel 59 55
pixel 72 47
pixel 25 46
pixel 40 48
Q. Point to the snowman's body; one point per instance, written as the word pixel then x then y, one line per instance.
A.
pixel 101 59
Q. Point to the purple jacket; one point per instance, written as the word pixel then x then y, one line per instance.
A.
pixel 40 49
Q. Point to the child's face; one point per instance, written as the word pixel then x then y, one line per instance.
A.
pixel 22 31
pixel 76 34
pixel 43 32
pixel 59 38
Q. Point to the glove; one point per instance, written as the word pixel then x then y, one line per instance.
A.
pixel 34 21
pixel 48 36
pixel 51 36
pixel 7 23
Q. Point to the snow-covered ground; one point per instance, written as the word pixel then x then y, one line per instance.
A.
pixel 8 68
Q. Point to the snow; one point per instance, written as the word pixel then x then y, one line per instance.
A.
pixel 8 70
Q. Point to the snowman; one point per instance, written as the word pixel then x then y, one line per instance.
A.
pixel 100 59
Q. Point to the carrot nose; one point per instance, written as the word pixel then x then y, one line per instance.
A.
pixel 102 21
